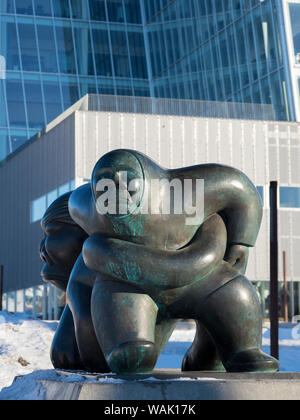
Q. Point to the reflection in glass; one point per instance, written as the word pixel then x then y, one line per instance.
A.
pixel 24 7
pixel 70 94
pixel 7 6
pixel 34 102
pixel 42 7
pixel 15 103
pixel 52 100
pixel 102 52
pixel 120 53
pixel 133 11
pixel 3 145
pixel 115 11
pixel 65 50
pixel 295 20
pixel 84 51
pixel 97 10
pixel 47 48
pixel 10 44
pixel 137 55
pixel 3 119
pixel 79 9
pixel 28 47
pixel 61 8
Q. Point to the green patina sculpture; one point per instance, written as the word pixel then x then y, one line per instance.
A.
pixel 140 272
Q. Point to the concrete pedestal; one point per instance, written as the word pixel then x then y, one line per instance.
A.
pixel 167 385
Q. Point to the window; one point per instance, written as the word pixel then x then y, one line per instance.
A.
pixel 2 67
pixel 40 205
pixel 38 208
pixel 24 7
pixel 42 7
pixel 261 193
pixel 290 197
pixel 295 22
pixel 15 104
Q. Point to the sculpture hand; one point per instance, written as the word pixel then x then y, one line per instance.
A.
pixel 237 256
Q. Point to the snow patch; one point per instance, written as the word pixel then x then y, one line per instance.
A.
pixel 27 339
pixel 24 339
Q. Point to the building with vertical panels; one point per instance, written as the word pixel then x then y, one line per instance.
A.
pixel 184 81
pixel 62 157
pixel 53 52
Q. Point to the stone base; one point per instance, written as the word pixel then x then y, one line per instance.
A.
pixel 170 385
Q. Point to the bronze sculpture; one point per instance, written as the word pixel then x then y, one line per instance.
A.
pixel 59 250
pixel 139 273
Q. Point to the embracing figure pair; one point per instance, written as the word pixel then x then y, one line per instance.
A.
pixel 130 277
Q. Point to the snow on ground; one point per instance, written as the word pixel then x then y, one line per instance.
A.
pixel 25 346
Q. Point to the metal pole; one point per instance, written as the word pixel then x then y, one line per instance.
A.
pixel 274 269
pixel 1 286
pixel 286 308
pixel 292 289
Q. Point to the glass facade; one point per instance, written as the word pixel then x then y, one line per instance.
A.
pixel 295 24
pixel 53 52
pixel 218 50
pixel 56 51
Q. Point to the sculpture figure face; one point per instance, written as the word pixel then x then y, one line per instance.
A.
pixel 145 195
pixel 61 245
pixel 118 179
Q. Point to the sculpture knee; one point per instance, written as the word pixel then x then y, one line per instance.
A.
pixel 137 357
pixel 233 317
pixel 64 351
pixel 122 314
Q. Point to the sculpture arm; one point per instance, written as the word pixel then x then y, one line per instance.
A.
pixel 146 267
pixel 230 193
pixel 237 256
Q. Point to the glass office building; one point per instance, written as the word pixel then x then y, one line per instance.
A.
pixel 57 51
pixel 53 52
pixel 223 50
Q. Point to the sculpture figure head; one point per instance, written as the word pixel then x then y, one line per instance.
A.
pixel 122 171
pixel 62 243
pixel 147 201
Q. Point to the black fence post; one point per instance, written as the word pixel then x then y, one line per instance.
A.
pixel 274 312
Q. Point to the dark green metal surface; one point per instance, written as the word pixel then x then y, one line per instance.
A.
pixel 139 273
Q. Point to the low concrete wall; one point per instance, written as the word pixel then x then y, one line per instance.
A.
pixel 168 386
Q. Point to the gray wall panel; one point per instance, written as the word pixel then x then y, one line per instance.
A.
pixel 41 167
pixel 264 151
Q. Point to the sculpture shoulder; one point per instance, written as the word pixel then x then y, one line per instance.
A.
pixel 83 211
pixel 81 206
pixel 223 179
pixel 210 170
